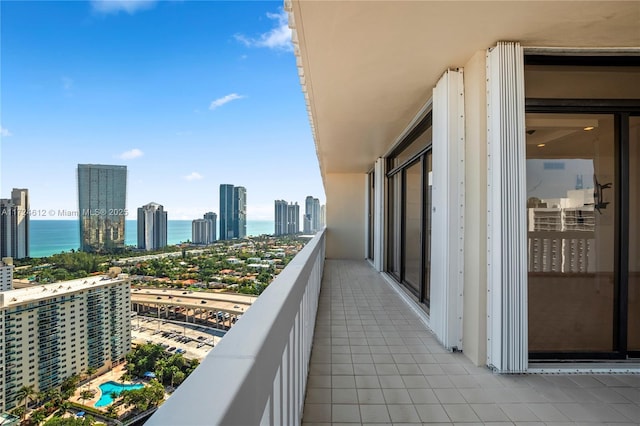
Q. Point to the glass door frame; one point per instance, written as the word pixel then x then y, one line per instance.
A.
pixel 621 110
pixel 419 158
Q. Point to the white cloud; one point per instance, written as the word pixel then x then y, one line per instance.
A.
pixel 4 132
pixel 131 154
pixel 116 6
pixel 278 38
pixel 193 176
pixel 225 99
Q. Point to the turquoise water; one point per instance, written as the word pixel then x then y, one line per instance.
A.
pixel 49 237
pixel 109 387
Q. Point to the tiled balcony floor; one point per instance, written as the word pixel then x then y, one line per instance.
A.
pixel 374 361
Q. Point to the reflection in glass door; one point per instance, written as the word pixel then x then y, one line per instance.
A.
pixel 583 205
pixel 413 226
pixel 572 214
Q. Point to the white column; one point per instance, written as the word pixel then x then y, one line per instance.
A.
pixel 507 348
pixel 447 239
pixel 378 214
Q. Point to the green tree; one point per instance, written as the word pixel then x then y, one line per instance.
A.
pixel 87 394
pixel 69 386
pixel 38 416
pixel 53 395
pixel 90 372
pixel 173 370
pixel 112 411
pixel 70 421
pixel 63 407
pixel 20 411
pixel 25 393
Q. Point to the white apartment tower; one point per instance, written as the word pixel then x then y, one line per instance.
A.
pixel 53 331
pixel 152 227
pixel 6 274
pixel 213 225
pixel 201 231
pixel 14 224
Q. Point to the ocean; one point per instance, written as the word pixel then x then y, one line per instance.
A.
pixel 47 237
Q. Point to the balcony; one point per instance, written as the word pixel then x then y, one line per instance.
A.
pixel 372 360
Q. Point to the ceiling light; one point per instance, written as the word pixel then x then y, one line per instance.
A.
pixel 586 129
pixel 540 145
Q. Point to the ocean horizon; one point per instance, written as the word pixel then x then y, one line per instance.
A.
pixel 47 237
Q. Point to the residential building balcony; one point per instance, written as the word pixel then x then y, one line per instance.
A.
pixel 450 135
pixel 334 341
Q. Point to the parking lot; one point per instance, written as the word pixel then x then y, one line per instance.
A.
pixel 193 341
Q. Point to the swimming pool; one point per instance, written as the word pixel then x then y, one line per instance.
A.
pixel 108 387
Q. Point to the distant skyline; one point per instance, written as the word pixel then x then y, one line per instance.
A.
pixel 188 95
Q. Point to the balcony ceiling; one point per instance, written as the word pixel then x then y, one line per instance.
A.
pixel 369 66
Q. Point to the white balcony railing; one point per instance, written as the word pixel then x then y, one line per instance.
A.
pixel 258 373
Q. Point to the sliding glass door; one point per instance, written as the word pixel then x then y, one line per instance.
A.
pixel 409 213
pixel 582 211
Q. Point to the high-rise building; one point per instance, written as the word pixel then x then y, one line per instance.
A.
pixel 315 216
pixel 14 224
pixel 308 213
pixel 293 218
pixel 233 212
pixel 102 194
pixel 323 216
pixel 226 211
pixel 201 231
pixel 312 215
pixel 54 331
pixel 240 212
pixel 152 227
pixel 280 217
pixel 213 219
pixel 6 274
pixel 287 218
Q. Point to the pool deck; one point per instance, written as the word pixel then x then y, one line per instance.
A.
pixel 112 375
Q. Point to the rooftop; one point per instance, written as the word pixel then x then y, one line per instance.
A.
pixel 37 292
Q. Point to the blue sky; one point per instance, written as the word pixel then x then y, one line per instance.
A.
pixel 187 94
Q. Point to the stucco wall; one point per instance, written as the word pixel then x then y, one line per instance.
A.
pixel 475 239
pixel 345 215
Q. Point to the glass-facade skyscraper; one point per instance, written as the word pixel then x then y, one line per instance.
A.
pixel 102 196
pixel 233 212
pixel 240 212
pixel 226 212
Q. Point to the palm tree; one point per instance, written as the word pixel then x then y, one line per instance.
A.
pixel 64 406
pixel 19 411
pixel 25 393
pixel 52 395
pixel 38 416
pixel 87 394
pixel 173 370
pixel 90 372
pixel 112 411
